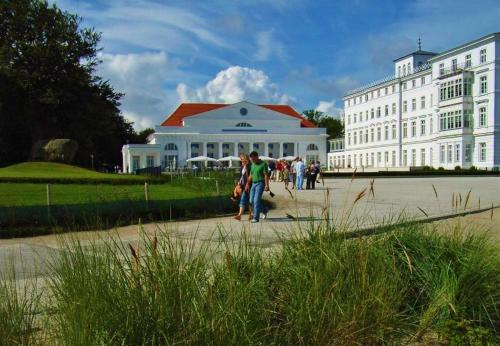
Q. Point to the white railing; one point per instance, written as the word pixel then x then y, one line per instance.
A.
pixel 421 68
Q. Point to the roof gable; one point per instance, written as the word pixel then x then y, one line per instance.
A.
pixel 190 109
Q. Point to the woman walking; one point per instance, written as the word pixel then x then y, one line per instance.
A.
pixel 244 174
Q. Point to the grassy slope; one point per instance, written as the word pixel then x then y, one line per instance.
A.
pixel 35 194
pixel 55 170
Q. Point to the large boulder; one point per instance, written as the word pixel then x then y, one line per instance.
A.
pixel 58 149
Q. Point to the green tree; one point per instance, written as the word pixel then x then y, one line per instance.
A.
pixel 334 127
pixel 142 136
pixel 48 85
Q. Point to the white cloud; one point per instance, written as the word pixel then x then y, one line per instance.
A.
pixel 268 46
pixel 235 84
pixel 329 108
pixel 141 77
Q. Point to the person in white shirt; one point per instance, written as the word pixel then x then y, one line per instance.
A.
pixel 299 172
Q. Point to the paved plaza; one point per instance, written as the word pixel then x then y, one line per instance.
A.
pixel 390 200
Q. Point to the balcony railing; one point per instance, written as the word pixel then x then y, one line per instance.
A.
pixel 453 70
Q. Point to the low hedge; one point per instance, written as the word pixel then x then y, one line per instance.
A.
pixel 419 173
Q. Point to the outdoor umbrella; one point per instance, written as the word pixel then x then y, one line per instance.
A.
pixel 267 158
pixel 229 158
pixel 287 158
pixel 201 159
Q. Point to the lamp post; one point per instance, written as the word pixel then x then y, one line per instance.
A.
pixel 92 161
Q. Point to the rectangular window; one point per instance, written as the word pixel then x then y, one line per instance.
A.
pixel 386 110
pixel 386 132
pixel 366 116
pixel 431 126
pixel 393 163
pixel 348 119
pixel 413 128
pixel 482 56
pixel 442 154
pixel 482 116
pixel 372 113
pixel 468 61
pixel 379 157
pixel 372 135
pixel 372 157
pixel 136 162
pixel 413 83
pixel 405 130
pixel 393 89
pixel 355 138
pixel 422 157
pixel 422 127
pixel 422 102
pixel 348 139
pixel 441 69
pixel 386 91
pixel 378 112
pixel 404 86
pixel 394 108
pixel 405 106
pixel 450 153
pixel 355 118
pixel 482 152
pixel 386 158
pixel 360 137
pixel 414 157
pixel 422 81
pixel 468 152
pixel 413 104
pixel 457 153
pixel 150 161
pixel 405 158
pixel 483 85
pixel 366 136
pixel 394 131
pixel 379 133
pixel 454 65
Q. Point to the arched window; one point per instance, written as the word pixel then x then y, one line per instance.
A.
pixel 171 146
pixel 312 146
pixel 243 125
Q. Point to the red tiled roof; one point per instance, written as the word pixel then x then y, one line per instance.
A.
pixel 189 109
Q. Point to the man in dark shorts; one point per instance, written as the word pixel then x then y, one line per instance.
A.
pixel 257 183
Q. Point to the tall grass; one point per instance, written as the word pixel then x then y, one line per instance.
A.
pixel 18 309
pixel 318 288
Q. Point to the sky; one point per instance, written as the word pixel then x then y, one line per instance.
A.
pixel 303 53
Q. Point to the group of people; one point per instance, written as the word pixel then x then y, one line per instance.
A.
pixel 255 175
pixel 295 172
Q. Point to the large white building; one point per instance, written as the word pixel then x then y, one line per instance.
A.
pixel 438 110
pixel 222 130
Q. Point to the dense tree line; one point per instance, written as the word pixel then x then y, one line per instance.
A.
pixel 334 127
pixel 49 88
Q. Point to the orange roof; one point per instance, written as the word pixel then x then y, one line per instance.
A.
pixel 189 109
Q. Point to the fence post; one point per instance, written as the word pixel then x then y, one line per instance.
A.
pixel 217 187
pixel 49 200
pixel 146 191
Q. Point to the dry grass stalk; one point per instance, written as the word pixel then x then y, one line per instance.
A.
pixel 453 200
pixel 423 212
pixel 372 190
pixel 467 199
pixel 360 195
pixel 227 259
pixel 491 213
pixel 479 202
pixel 354 174
pixel 135 255
pixel 435 191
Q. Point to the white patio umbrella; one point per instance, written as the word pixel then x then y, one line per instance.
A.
pixel 287 158
pixel 229 158
pixel 201 159
pixel 267 158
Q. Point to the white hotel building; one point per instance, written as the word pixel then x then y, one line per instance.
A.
pixel 222 130
pixel 438 110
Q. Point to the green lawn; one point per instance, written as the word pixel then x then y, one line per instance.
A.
pixel 16 195
pixel 57 171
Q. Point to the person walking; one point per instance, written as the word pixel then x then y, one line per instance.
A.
pixel 286 175
pixel 279 167
pixel 272 169
pixel 257 183
pixel 244 174
pixel 299 172
pixel 313 175
pixel 293 173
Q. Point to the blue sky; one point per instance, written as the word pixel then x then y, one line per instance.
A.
pixel 305 53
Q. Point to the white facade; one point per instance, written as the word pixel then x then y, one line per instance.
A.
pixel 271 130
pixel 439 110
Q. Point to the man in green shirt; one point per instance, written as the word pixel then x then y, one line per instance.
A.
pixel 257 183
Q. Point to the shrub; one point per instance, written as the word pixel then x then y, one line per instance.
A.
pixel 458 168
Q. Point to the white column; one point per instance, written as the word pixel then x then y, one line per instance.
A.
pixel 250 147
pixel 280 152
pixel 266 149
pixel 220 150
pixel 204 148
pixel 235 149
pixel 124 162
